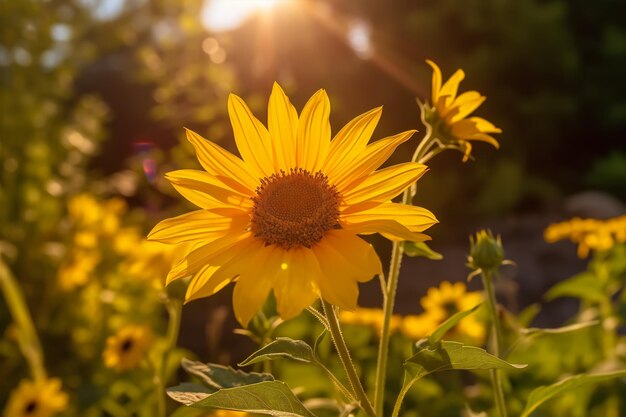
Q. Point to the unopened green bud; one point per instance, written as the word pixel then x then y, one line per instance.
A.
pixel 486 252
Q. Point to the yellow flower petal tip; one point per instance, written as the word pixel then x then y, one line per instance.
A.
pixel 286 216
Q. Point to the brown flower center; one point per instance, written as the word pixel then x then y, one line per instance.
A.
pixel 295 209
pixel 30 407
pixel 127 345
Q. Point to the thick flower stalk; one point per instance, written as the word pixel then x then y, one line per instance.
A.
pixel 287 215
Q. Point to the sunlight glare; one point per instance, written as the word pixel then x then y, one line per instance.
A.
pixel 220 15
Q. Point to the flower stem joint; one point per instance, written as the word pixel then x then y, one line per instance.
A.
pixel 486 252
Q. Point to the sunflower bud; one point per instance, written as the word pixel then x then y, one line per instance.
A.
pixel 486 252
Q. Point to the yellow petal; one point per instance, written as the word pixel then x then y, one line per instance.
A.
pixel 391 229
pixel 282 121
pixel 450 87
pixel 485 138
pixel 485 126
pixel 204 284
pixel 359 168
pixel 463 129
pixel 197 225
pixel 351 140
pixel 229 169
pixel 347 249
pixel 216 252
pixel 385 184
pixel 415 219
pixel 313 137
pixel 338 286
pixel 251 137
pixel 206 183
pixel 253 285
pixel 461 111
pixel 436 83
pixel 294 285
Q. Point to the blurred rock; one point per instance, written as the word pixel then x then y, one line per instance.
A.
pixel 594 204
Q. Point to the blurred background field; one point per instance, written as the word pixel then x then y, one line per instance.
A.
pixel 95 94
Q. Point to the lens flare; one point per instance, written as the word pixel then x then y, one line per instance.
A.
pixel 222 15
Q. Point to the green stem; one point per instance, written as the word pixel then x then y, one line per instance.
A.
pixel 346 361
pixel 496 375
pixel 174 310
pixel 422 156
pixel 27 335
pixel 398 404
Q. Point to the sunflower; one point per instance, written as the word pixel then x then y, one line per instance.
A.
pixel 125 349
pixel 447 114
pixel 287 215
pixel 590 234
pixel 370 317
pixel 36 399
pixel 450 298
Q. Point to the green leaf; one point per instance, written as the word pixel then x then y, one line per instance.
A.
pixel 219 376
pixel 446 356
pixel 282 348
pixel 421 249
pixel 534 331
pixel 584 285
pixel 270 397
pixel 449 324
pixel 188 393
pixel 542 394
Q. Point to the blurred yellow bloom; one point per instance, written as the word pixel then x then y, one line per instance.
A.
pixel 589 234
pixel 126 349
pixel 36 399
pixel 419 326
pixel 448 113
pixel 448 299
pixel 127 240
pixel 77 271
pixel 152 261
pixel 287 215
pixel 96 216
pixel 370 317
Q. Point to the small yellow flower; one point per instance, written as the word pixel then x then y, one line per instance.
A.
pixel 448 114
pixel 287 215
pixel 589 234
pixel 419 326
pixel 36 399
pixel 126 349
pixel 96 216
pixel 78 269
pixel 152 261
pixel 370 317
pixel 450 298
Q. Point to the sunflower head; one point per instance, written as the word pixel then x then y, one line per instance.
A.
pixel 448 114
pixel 486 251
pixel 36 399
pixel 589 234
pixel 127 348
pixel 286 216
pixel 441 303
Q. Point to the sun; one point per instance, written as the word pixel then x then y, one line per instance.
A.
pixel 221 15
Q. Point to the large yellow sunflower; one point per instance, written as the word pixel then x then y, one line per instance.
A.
pixel 285 217
pixel 448 113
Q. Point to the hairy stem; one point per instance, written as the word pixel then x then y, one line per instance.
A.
pixel 346 361
pixel 421 155
pixel 496 375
